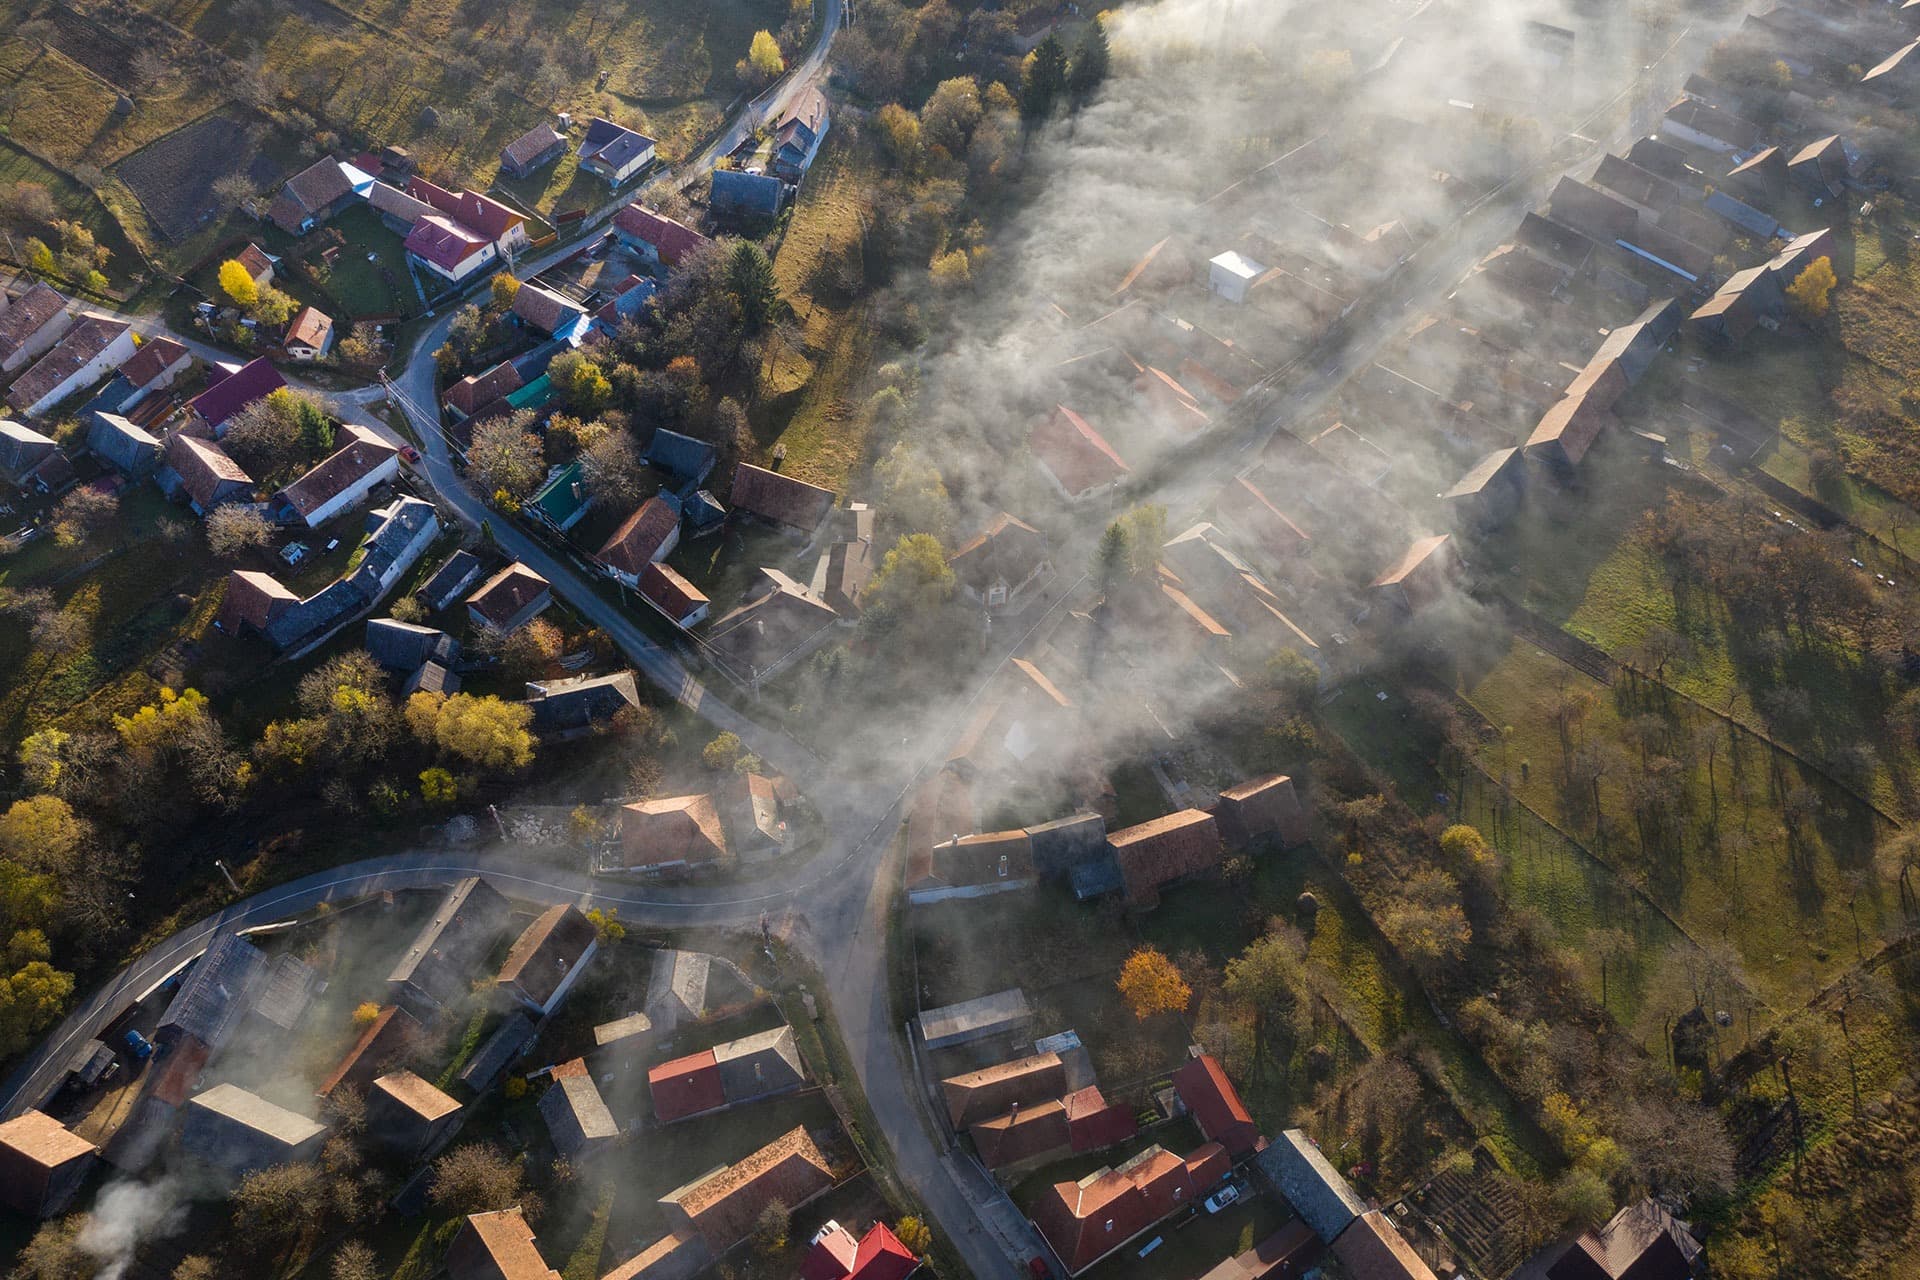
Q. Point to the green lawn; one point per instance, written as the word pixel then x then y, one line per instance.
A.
pixel 363 287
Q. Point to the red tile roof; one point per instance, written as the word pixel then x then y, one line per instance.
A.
pixel 779 498
pixel 253 600
pixel 1077 455
pixel 502 597
pixel 155 357
pixel 1373 1249
pixel 1022 1134
pixel 674 829
pixel 546 951
pixel 878 1255
pixel 203 466
pixel 255 261
pixel 497 1246
pixel 1215 1105
pixel 311 328
pixel 1093 1122
pixel 443 242
pixel 472 394
pixel 385 1034
pixel 476 213
pixel 673 241
pixel 976 1095
pixel 724 1206
pixel 1085 1221
pixel 686 1087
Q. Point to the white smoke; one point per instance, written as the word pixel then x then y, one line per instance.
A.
pixel 128 1214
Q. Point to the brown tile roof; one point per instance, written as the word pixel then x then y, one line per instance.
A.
pixel 311 328
pixel 665 587
pixel 253 600
pixel 1373 1249
pixel 258 265
pixel 977 1095
pixel 633 546
pixel 544 309
pixel 676 829
pixel 529 146
pixel 474 393
pixel 27 316
pixel 202 466
pixel 497 1246
pixel 723 1206
pixel 1007 549
pixel 1215 1105
pixel 1086 1220
pixel 385 1034
pixel 397 204
pixel 1077 456
pixel 1038 678
pixel 36 1140
pixel 1566 431
pixel 83 342
pixel 1262 805
pixel 1022 1134
pixel 1247 506
pixel 546 951
pixel 501 598
pixel 1156 853
pixel 1411 560
pixel 780 498
pixel 416 1095
pixel 155 357
pixel 360 454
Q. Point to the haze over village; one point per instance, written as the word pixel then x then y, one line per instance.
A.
pixel 864 639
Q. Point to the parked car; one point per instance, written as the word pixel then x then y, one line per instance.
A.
pixel 139 1046
pixel 1037 1268
pixel 1223 1198
pixel 410 453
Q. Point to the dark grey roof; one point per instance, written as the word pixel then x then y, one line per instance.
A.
pixel 688 459
pixel 1096 878
pixel 447 954
pixel 430 677
pixel 215 992
pixel 338 601
pixel 289 989
pixel 402 646
pixel 576 1115
pixel 451 579
pixel 1065 843
pixel 500 1049
pixel 389 533
pixel 121 444
pixel 750 192
pixel 758 1065
pixel 577 703
pixel 1315 1188
pixel 703 509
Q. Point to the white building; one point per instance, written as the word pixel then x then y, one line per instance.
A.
pixel 1232 273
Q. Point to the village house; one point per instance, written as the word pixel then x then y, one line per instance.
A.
pixel 440 965
pixel 1419 577
pixel 1489 493
pixel 979 1095
pixel 780 624
pixel 672 834
pixel 254 602
pixel 1248 509
pixel 114 440
pixel 535 149
pixel 1231 275
pixel 1373 1249
pixel 722 1206
pixel 798 135
pixel 1170 404
pixel 563 501
pixel 241 1132
pixel 614 152
pixel 548 957
pixel 342 480
pixel 451 580
pixel 780 499
pixel 409 1115
pixel 576 1115
pixel 727 1075
pixel 90 349
pixel 572 707
pixel 30 324
pixel 840 577
pixel 1820 168
pixel 1288 1252
pixel 546 312
pixel 396 537
pixel 970 866
pixel 283 999
pixel 465 232
pixel 1323 1199
pixel 1565 432
pixel 1075 459
pixel 1210 1098
pixel 1003 566
pixel 741 195
pixel 311 197
pixel 659 240
pixel 213 996
pixel 229 390
pixel 398 211
pixel 687 460
pixel 1085 1221
pixel 1802 252
pixel 1695 122
pixel 678 1255
pixel 380 1044
pixel 497 1246
pixel 989 1017
pixel 479 391
pixel 30 460
pixel 257 263
pixel 1643 1241
pixel 835 1253
pixel 309 335
pixel 643 539
pixel 683 603
pixel 154 366
pixel 404 646
pixel 1750 299
pixel 1761 176
pixel 42 1164
pixel 750 806
pixel 1155 854
pixel 1260 808
pixel 510 599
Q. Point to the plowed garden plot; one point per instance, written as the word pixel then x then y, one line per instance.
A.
pixel 99 51
pixel 174 177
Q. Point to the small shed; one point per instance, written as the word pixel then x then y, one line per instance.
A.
pixel 1002 1013
pixel 408 1114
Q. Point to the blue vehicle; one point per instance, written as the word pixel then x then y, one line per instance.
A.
pixel 139 1046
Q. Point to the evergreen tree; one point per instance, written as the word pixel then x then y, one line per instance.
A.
pixel 750 280
pixel 1091 62
pixel 1046 81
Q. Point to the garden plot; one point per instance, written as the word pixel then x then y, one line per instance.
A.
pixel 174 178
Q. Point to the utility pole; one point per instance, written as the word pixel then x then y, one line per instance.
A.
pixel 231 883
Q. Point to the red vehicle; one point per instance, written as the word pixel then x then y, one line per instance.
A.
pixel 410 453
pixel 1039 1269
